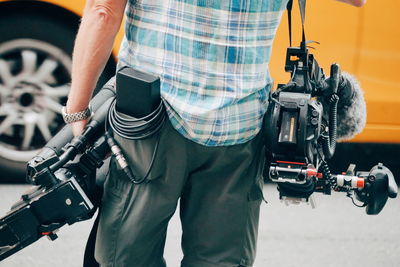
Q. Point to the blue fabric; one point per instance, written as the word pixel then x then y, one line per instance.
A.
pixel 212 58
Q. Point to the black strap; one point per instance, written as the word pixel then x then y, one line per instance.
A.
pixel 289 10
pixel 302 7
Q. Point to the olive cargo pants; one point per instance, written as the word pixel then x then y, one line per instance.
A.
pixel 220 191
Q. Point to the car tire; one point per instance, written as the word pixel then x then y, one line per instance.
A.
pixel 29 41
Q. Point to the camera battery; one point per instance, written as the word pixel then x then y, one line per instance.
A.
pixel 138 93
pixel 288 133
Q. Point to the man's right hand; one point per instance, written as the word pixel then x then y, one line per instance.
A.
pixel 78 127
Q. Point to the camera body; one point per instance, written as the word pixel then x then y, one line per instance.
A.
pixel 293 127
pixel 294 121
pixel 68 196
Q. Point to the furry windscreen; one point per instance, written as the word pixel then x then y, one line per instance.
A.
pixel 352 113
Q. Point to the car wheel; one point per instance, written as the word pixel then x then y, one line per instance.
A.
pixel 35 71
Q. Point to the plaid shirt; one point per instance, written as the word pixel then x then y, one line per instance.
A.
pixel 212 58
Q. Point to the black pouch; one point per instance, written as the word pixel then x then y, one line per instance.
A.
pixel 138 93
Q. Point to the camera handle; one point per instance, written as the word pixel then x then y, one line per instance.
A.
pixel 41 171
pixel 380 185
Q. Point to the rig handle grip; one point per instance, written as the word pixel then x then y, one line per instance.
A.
pixel 382 185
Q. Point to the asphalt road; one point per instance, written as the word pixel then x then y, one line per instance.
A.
pixel 336 233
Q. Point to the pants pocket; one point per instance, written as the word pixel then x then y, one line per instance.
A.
pixel 256 191
pixel 111 212
pixel 142 155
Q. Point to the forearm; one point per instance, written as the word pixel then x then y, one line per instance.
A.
pixel 100 24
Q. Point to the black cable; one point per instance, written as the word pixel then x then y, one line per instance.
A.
pixel 132 128
pixel 324 169
pixel 123 163
pixel 329 141
pixel 350 195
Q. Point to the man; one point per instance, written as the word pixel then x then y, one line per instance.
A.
pixel 212 59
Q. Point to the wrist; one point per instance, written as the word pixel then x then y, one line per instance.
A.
pixel 71 117
pixel 76 102
pixel 79 96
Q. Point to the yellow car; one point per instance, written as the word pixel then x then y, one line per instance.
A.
pixel 36 42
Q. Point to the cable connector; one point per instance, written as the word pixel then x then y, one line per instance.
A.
pixel 120 159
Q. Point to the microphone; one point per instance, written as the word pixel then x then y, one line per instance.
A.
pixel 351 108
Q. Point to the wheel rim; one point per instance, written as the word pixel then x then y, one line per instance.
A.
pixel 34 78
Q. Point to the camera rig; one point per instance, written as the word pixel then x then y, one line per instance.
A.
pixel 300 136
pixel 64 173
pixel 301 128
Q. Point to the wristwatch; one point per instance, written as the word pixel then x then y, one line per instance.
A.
pixel 76 116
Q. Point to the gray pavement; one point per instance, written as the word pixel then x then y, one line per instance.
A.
pixel 336 233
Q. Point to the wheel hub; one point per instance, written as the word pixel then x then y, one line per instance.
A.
pixel 23 94
pixel 26 99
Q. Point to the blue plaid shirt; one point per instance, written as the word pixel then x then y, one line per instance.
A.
pixel 212 58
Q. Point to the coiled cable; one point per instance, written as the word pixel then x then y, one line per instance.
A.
pixel 329 140
pixel 325 170
pixel 132 128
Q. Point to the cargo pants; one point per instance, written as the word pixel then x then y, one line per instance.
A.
pixel 219 189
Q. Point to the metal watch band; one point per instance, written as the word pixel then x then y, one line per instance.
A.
pixel 76 116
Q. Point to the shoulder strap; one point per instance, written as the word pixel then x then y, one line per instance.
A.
pixel 302 7
pixel 289 11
